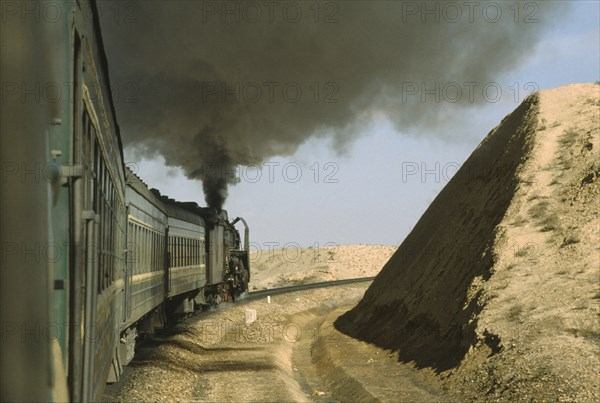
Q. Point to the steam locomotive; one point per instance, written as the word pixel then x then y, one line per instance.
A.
pixel 91 258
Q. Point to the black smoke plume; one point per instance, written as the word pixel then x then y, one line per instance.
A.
pixel 211 85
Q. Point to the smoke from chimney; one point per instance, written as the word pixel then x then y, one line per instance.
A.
pixel 211 85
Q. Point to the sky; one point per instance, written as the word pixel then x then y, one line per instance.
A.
pixel 374 189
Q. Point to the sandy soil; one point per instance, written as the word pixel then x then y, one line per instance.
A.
pixel 496 289
pixel 220 358
pixel 292 353
pixel 292 266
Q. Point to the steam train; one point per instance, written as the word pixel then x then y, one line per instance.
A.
pixel 91 258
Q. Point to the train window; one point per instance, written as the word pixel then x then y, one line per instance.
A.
pixel 150 267
pixel 195 254
pixel 144 242
pixel 146 249
pixel 157 251
pixel 148 253
pixel 192 251
pixel 152 249
pixel 170 250
pixel 143 249
pixel 132 247
pixel 128 256
pixel 187 251
pixel 106 238
pixel 178 247
pixel 196 260
pixel 137 255
pixel 138 249
pixel 179 251
pixel 140 246
pixel 173 252
pixel 161 254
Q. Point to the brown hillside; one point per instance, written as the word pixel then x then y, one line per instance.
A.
pixel 497 286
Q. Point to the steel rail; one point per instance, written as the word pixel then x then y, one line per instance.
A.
pixel 301 287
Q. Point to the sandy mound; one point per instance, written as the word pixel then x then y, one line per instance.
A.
pixel 291 266
pixel 497 286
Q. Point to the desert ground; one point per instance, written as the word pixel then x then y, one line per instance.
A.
pixel 493 296
pixel 281 267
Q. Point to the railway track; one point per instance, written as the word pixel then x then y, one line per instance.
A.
pixel 163 335
pixel 302 287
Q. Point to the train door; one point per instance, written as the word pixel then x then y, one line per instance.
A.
pixel 76 272
pixel 129 256
pixel 91 227
pixel 168 261
pixel 83 239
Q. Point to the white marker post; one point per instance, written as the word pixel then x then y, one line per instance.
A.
pixel 250 316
